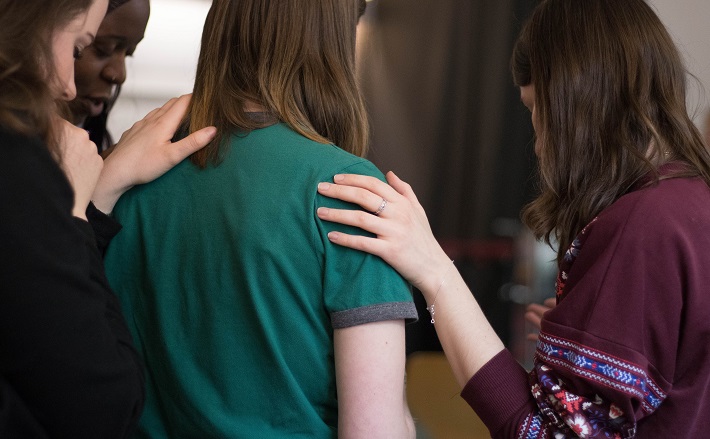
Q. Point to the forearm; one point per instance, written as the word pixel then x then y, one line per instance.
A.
pixel 111 185
pixel 467 338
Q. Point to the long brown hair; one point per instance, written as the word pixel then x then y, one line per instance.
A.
pixel 27 63
pixel 294 58
pixel 610 101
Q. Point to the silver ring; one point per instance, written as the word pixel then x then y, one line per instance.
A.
pixel 381 208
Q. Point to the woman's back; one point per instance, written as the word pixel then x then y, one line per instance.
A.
pixel 233 291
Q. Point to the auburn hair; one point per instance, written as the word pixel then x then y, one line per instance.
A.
pixel 296 59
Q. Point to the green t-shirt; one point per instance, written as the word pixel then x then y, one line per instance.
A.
pixel 232 290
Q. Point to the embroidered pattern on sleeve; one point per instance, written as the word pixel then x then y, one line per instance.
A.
pixel 532 428
pixel 586 417
pixel 568 261
pixel 563 414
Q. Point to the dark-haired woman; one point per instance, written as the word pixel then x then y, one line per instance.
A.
pixel 101 70
pixel 624 190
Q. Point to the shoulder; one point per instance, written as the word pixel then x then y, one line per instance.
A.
pixel 27 165
pixel 671 206
pixel 657 226
pixel 16 145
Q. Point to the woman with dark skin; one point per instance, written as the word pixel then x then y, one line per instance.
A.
pixel 67 364
pixel 101 69
pixel 624 190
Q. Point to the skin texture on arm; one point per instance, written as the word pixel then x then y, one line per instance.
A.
pixel 370 367
pixel 145 152
pixel 405 241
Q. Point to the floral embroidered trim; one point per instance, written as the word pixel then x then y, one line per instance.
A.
pixel 568 259
pixel 601 368
pixel 532 428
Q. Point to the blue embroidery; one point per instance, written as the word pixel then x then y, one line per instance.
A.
pixel 532 428
pixel 602 368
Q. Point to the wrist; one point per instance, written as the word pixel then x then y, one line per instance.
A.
pixel 432 304
pixel 432 275
pixel 109 188
pixel 105 196
pixel 80 213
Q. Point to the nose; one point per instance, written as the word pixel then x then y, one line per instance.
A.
pixel 69 90
pixel 115 70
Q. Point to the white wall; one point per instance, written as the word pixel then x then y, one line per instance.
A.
pixel 164 63
pixel 687 21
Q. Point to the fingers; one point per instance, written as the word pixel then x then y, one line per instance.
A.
pixel 405 189
pixel 168 106
pixel 152 113
pixel 365 191
pixel 362 197
pixel 174 110
pixel 356 218
pixel 537 308
pixel 550 303
pixel 531 337
pixel 358 242
pixel 400 186
pixel 372 184
pixel 194 142
pixel 534 318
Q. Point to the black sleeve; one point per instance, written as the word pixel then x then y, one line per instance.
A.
pixel 67 364
pixel 104 226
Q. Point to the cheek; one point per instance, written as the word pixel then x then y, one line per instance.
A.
pixel 64 80
pixel 87 70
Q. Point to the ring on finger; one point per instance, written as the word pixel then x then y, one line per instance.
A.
pixel 379 210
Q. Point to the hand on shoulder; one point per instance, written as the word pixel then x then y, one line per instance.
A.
pixel 146 151
pixel 404 238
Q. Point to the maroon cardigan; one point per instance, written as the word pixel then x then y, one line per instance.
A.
pixel 625 351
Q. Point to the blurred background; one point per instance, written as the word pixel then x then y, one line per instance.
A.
pixel 445 117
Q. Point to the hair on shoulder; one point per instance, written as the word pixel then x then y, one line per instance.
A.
pixel 610 104
pixel 295 59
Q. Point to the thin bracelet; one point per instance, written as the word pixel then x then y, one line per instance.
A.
pixel 431 308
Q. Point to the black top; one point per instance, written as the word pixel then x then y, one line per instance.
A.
pixel 67 364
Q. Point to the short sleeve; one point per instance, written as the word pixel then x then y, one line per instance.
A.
pixel 358 287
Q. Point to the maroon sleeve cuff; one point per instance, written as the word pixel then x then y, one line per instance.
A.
pixel 500 394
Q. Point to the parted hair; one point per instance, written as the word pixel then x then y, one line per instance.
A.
pixel 27 63
pixel 294 58
pixel 610 102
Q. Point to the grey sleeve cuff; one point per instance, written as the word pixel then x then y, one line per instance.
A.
pixel 374 313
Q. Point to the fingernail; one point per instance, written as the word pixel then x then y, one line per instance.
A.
pixel 333 236
pixel 322 211
pixel 323 186
pixel 338 177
